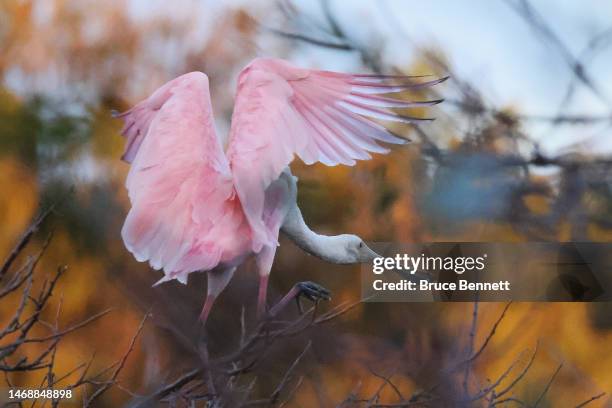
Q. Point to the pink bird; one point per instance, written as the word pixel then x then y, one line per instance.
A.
pixel 198 205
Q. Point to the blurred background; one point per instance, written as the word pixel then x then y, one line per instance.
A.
pixel 520 151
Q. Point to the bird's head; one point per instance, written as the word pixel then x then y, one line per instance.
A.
pixel 356 251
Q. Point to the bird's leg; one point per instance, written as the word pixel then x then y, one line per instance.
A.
pixel 203 349
pixel 217 281
pixel 264 261
pixel 262 295
pixel 310 290
pixel 210 299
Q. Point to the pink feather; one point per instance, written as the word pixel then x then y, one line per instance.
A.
pixel 282 111
pixel 194 206
pixel 185 215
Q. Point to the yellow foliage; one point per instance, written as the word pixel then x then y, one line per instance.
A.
pixel 537 203
pixel 18 202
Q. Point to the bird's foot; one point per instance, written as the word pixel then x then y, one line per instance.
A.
pixel 311 291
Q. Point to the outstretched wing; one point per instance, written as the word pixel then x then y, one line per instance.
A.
pixel 179 184
pixel 281 110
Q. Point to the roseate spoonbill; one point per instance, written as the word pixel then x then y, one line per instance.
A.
pixel 201 202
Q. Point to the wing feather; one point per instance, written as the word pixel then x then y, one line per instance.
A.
pixel 179 183
pixel 282 111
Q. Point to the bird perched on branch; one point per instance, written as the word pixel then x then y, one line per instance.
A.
pixel 198 206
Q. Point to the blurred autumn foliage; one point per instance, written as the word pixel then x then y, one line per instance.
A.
pixel 64 65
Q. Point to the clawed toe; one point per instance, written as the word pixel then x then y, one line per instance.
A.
pixel 313 291
pixel 310 290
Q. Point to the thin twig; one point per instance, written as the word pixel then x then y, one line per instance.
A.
pixel 119 366
pixel 593 398
pixel 276 393
pixel 552 378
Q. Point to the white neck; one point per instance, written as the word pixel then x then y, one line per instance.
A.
pixel 329 248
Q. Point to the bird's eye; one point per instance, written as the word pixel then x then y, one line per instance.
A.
pixel 361 244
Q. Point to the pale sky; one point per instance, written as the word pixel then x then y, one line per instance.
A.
pixel 485 41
